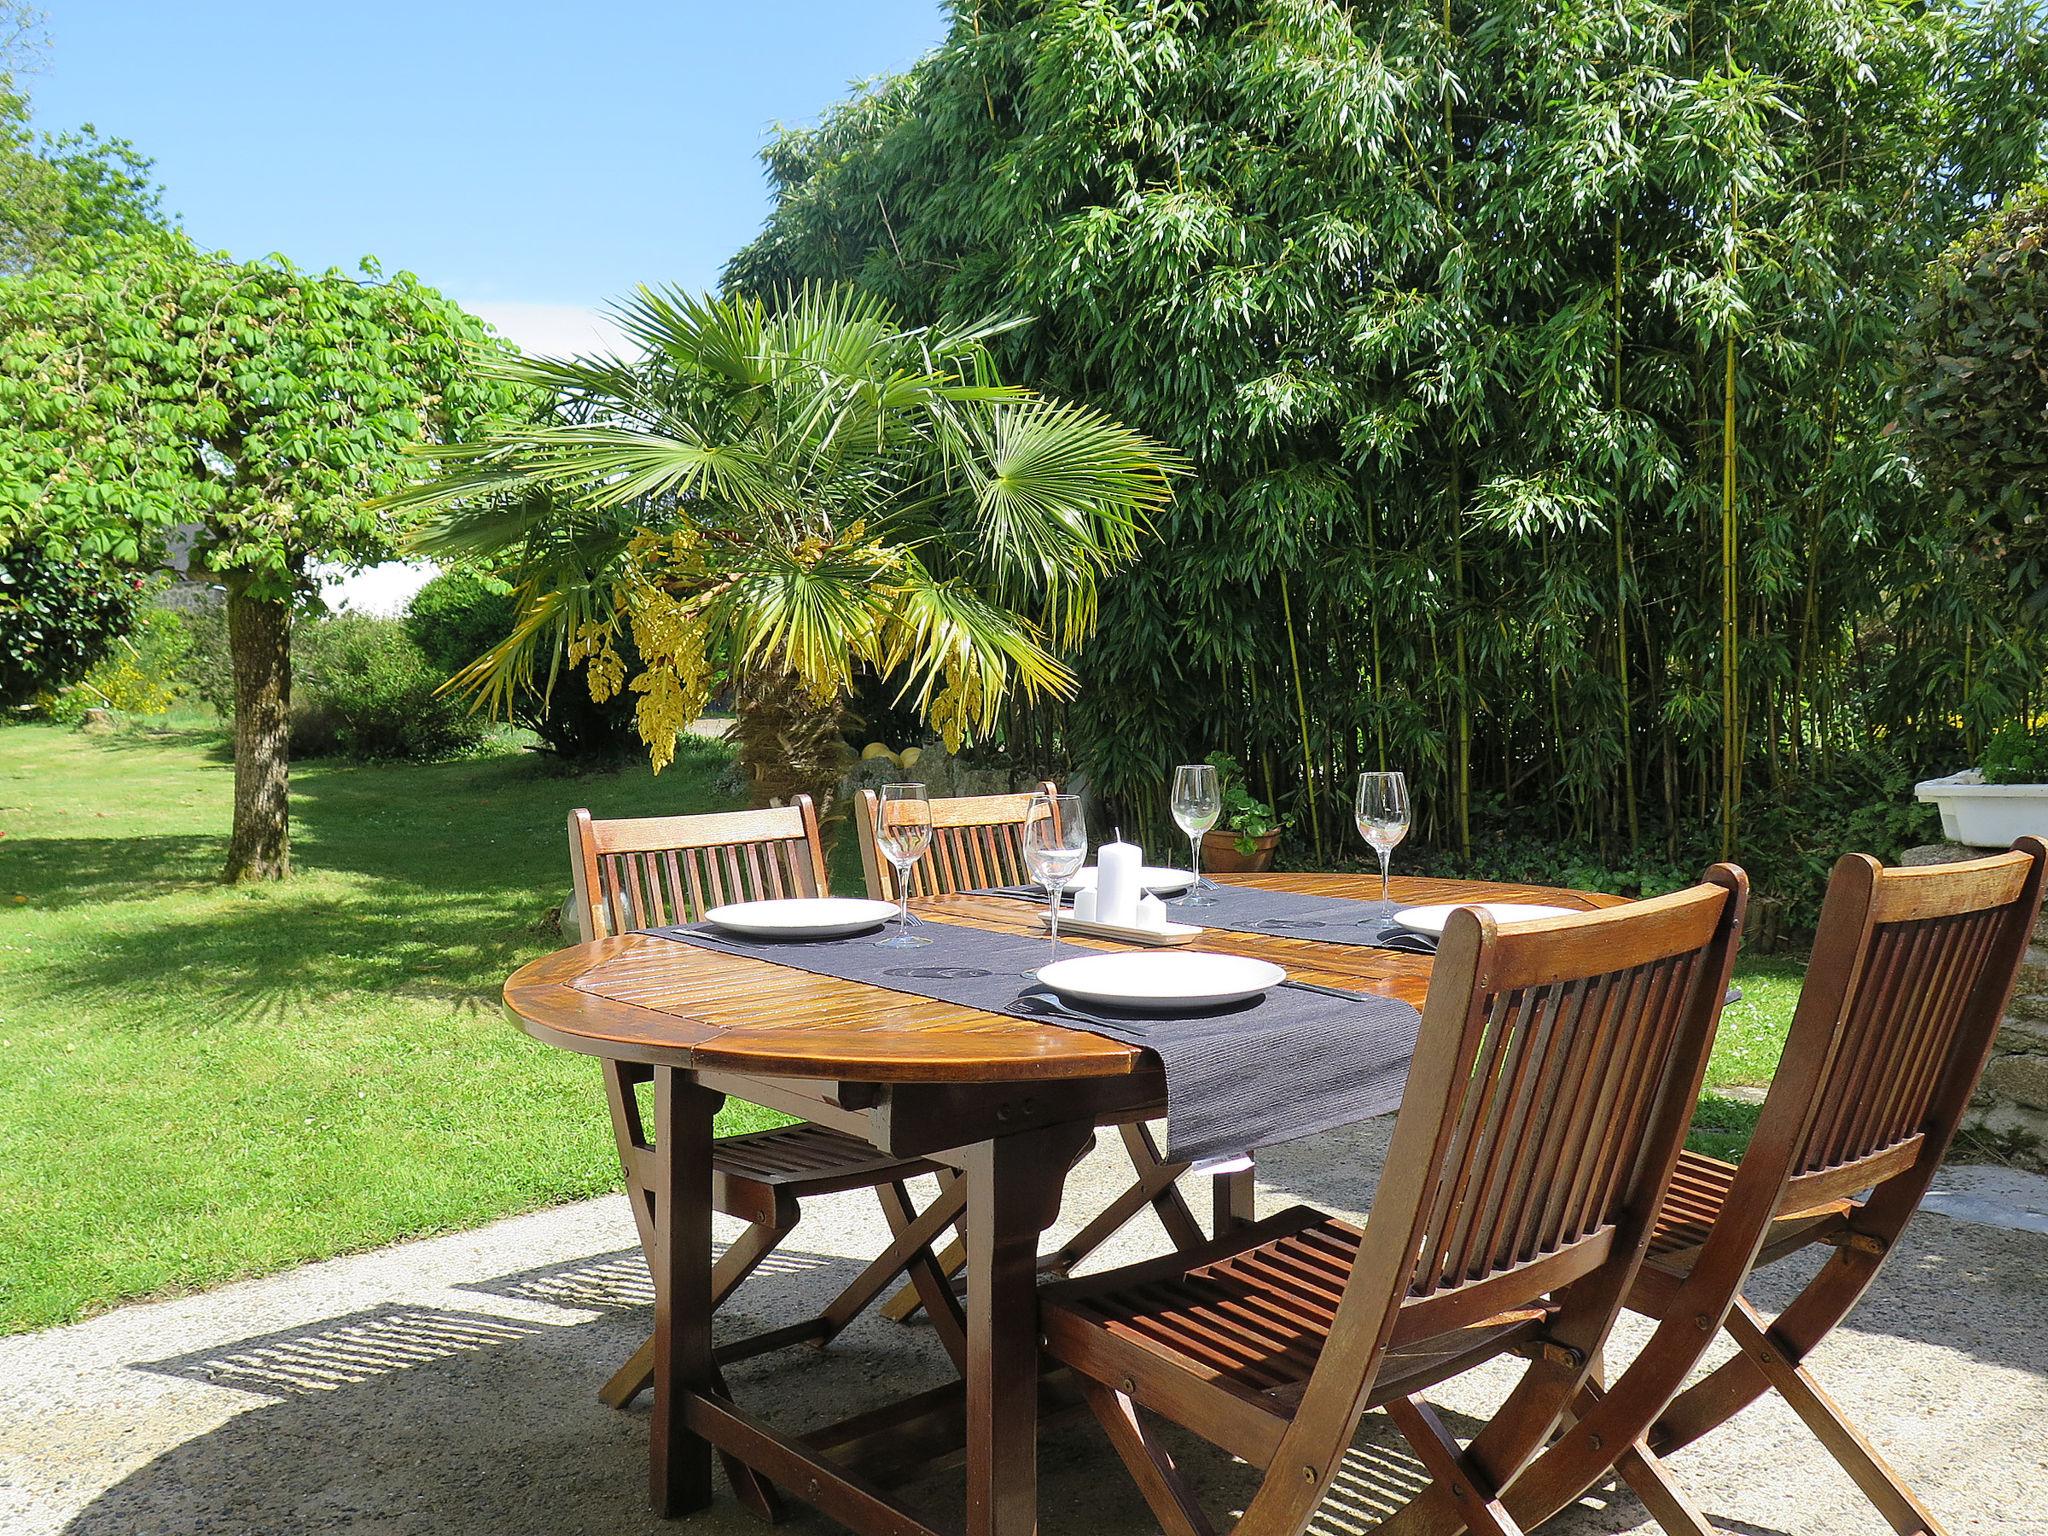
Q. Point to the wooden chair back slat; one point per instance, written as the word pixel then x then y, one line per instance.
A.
pixel 1553 1081
pixel 1909 979
pixel 1911 974
pixel 977 842
pixel 1556 1082
pixel 653 872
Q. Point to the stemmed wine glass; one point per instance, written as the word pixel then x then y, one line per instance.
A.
pixel 1197 802
pixel 903 828
pixel 1055 847
pixel 1383 821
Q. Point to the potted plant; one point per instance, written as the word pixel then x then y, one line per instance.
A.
pixel 2004 797
pixel 1250 830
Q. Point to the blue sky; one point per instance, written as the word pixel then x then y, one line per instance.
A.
pixel 532 160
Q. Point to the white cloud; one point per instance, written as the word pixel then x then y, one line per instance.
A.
pixel 552 330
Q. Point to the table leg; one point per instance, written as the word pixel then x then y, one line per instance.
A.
pixel 1235 1201
pixel 1013 1194
pixel 679 1461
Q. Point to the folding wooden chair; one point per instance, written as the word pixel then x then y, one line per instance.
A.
pixel 661 870
pixel 1554 1078
pixel 1912 971
pixel 977 842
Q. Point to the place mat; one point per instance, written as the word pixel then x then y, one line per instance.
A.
pixel 1286 1065
pixel 1292 914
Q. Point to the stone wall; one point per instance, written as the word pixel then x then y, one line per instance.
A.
pixel 2012 1104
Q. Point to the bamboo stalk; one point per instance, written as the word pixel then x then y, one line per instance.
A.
pixel 1731 721
pixel 1308 767
pixel 1379 703
pixel 1457 525
pixel 1628 734
pixel 1458 659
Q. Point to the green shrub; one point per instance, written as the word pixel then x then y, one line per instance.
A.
pixel 1976 386
pixel 459 615
pixel 362 688
pixel 1791 837
pixel 143 674
pixel 58 619
pixel 1793 834
pixel 208 670
pixel 2017 753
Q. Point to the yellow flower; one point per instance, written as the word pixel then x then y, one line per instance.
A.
pixel 668 703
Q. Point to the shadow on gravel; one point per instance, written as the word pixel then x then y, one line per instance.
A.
pixel 449 1421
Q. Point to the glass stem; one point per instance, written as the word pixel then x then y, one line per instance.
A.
pixel 1386 889
pixel 902 899
pixel 1055 920
pixel 1195 860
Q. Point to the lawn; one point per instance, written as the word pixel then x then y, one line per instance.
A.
pixel 199 1083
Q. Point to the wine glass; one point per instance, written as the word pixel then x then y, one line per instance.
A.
pixel 1197 802
pixel 1055 847
pixel 903 828
pixel 1383 821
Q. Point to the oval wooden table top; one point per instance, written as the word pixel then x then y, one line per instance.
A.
pixel 641 998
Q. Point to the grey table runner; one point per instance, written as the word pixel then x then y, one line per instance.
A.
pixel 1291 914
pixel 1278 1068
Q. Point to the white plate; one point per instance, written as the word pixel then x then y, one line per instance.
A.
pixel 1160 881
pixel 802 917
pixel 1432 919
pixel 1161 983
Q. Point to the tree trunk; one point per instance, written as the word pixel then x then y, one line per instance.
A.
pixel 259 641
pixel 788 743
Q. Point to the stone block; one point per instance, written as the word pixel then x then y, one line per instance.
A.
pixel 1940 853
pixel 2020 1079
pixel 2009 1134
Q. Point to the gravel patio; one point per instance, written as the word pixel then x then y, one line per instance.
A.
pixel 450 1386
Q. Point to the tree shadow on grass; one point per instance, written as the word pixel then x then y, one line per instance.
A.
pixel 216 741
pixel 494 822
pixel 257 960
pixel 59 872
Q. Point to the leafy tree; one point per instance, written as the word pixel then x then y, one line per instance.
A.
pixel 792 497
pixel 256 409
pixel 1534 360
pixel 1976 397
pixel 62 187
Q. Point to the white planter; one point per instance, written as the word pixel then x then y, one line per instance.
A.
pixel 1986 815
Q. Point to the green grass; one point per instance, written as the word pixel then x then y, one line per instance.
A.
pixel 1746 1052
pixel 1753 1029
pixel 199 1083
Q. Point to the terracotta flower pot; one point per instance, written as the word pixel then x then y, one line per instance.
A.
pixel 1220 855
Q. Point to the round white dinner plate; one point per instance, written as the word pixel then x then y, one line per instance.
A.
pixel 802 917
pixel 1160 983
pixel 1157 879
pixel 1432 919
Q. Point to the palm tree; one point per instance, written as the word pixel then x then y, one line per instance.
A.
pixel 781 497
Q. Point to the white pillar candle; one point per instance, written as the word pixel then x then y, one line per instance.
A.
pixel 1151 913
pixel 1084 906
pixel 1116 882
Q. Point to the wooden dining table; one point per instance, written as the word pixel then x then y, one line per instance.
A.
pixel 1010 1103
